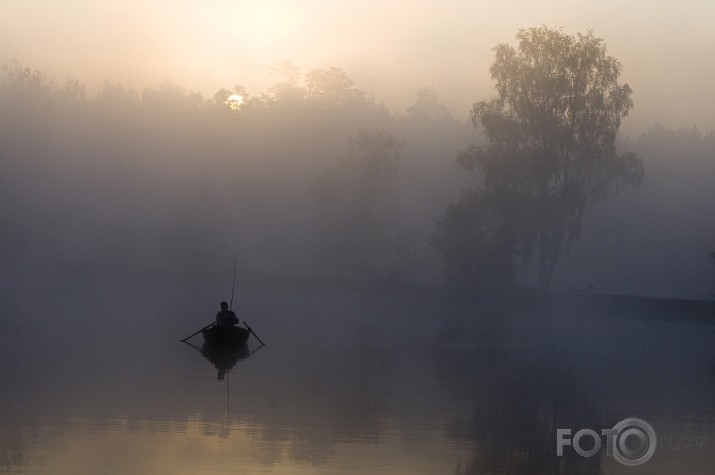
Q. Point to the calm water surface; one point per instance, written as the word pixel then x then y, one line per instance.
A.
pixel 335 394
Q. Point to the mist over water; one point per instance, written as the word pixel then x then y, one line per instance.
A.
pixel 350 382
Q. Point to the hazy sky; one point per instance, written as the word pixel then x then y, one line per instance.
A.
pixel 390 49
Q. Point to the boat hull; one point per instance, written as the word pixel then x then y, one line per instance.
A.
pixel 227 336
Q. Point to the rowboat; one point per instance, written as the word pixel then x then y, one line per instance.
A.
pixel 225 336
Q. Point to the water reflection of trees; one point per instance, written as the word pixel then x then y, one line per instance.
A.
pixel 340 397
pixel 12 449
pixel 362 407
pixel 517 405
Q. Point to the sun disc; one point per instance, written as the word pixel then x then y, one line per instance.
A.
pixel 234 101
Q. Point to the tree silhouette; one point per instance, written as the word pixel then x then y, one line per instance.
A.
pixel 478 238
pixel 288 87
pixel 551 135
pixel 332 87
pixel 23 83
pixel 428 107
pixel 358 206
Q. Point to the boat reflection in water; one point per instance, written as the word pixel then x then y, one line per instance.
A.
pixel 225 347
pixel 224 357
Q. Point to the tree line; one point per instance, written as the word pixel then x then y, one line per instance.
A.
pixel 313 176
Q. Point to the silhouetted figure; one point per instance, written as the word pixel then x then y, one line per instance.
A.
pixel 226 318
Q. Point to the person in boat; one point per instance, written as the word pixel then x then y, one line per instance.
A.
pixel 226 318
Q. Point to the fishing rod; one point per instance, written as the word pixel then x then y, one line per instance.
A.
pixel 235 262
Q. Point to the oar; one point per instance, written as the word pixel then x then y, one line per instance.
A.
pixel 254 333
pixel 204 328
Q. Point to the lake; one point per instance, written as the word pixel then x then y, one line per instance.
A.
pixel 350 382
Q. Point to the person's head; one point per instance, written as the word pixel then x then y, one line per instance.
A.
pixel 224 306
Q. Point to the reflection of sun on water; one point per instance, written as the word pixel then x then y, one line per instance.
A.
pixel 197 445
pixel 234 101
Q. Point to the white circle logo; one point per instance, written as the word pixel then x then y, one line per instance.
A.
pixel 634 442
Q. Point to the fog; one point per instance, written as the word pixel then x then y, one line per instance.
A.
pixel 311 178
pixel 301 173
pixel 652 242
pixel 166 180
pixel 390 51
